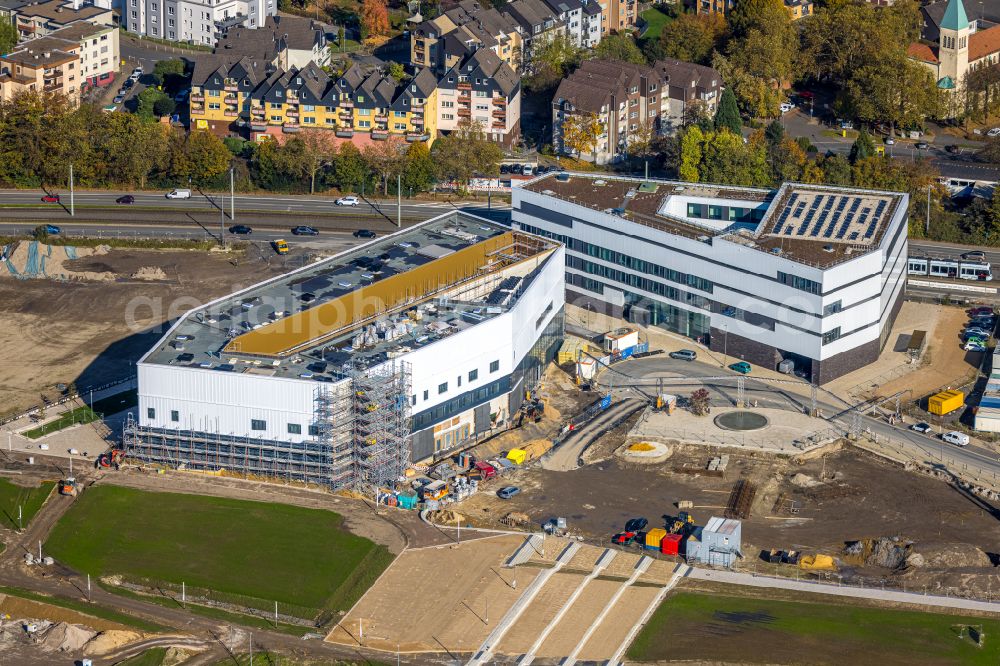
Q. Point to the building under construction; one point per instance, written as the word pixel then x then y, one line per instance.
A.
pixel 345 372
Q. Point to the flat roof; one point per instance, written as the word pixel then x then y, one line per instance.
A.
pixel 365 305
pixel 816 225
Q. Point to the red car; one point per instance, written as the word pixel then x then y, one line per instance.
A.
pixel 51 198
pixel 624 538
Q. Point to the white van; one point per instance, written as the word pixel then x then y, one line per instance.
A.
pixel 179 194
pixel 956 438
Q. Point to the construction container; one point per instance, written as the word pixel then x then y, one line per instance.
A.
pixel 621 339
pixel 654 537
pixel 466 460
pixel 945 402
pixel 671 544
pixel 407 500
pixel 517 456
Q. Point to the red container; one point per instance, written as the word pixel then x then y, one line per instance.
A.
pixel 671 544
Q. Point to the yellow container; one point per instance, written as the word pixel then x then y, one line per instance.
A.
pixel 654 537
pixel 517 456
pixel 945 402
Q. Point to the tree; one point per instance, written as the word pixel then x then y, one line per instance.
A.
pixel 728 114
pixel 318 149
pixel 700 402
pixel 774 133
pixel 620 47
pixel 201 156
pixel 728 160
pixel 8 36
pixel 836 170
pixel 692 143
pixel 761 56
pixel 374 18
pixel 349 168
pixel 552 59
pixel 692 37
pixel 169 73
pixel 466 152
pixel 148 99
pixel 862 148
pixel 580 132
pixel 384 158
pixel 418 168
pixel 132 149
pixel 163 106
pixel 397 71
pixel 640 141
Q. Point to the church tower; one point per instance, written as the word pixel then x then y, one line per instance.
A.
pixel 953 46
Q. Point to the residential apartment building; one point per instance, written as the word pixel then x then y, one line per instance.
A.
pixel 539 25
pixel 98 48
pixel 484 90
pixel 8 9
pixel 796 8
pixel 40 66
pixel 194 21
pixel 44 18
pixel 258 99
pixel 632 102
pixel 290 42
pixel 441 42
pixel 619 15
pixel 808 273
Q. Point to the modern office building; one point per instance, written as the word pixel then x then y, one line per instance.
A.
pixel 344 372
pixel 810 273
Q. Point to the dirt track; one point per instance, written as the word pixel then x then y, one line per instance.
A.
pixel 567 456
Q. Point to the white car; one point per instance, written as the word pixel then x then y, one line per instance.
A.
pixel 956 438
pixel 179 194
pixel 347 201
pixel 786 107
pixel 890 141
pixel 994 132
pixel 973 347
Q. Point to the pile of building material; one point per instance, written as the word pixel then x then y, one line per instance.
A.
pixel 27 260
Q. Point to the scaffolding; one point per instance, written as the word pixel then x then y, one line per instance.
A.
pixel 381 425
pixel 359 438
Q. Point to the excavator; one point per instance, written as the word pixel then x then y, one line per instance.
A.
pixel 681 523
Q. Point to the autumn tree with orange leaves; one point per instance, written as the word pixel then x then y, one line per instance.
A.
pixel 374 18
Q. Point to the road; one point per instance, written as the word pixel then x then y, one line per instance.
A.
pixel 645 375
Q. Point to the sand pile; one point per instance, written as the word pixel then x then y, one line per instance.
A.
pixel 641 446
pixel 63 637
pixel 947 555
pixel 149 273
pixel 108 641
pixel 31 259
pixel 804 481
pixel 445 517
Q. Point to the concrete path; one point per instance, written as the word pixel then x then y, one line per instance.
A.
pixel 566 456
pixel 599 566
pixel 640 568
pixel 876 594
pixel 485 651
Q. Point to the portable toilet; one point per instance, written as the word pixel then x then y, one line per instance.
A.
pixel 654 537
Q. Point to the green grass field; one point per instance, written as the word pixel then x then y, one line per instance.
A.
pixel 72 417
pixel 656 20
pixel 151 657
pixel 705 627
pixel 29 499
pixel 249 553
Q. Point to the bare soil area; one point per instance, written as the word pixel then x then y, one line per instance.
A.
pixel 91 333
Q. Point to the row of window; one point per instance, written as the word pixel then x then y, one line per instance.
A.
pixel 801 283
pixel 443 386
pixel 639 282
pixel 642 266
pixel 728 213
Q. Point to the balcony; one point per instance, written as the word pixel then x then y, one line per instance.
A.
pixel 500 101
pixel 290 126
pixel 231 113
pixel 413 137
pixel 344 132
pixel 345 115
pixel 230 99
pixel 465 112
pixel 258 125
pixel 416 107
pixel 380 134
pixel 383 118
pixel 417 121
pixel 346 104
pixel 197 110
pixel 231 87
pixel 499 126
pixel 197 97
pixel 500 113
pixel 465 86
pixel 292 113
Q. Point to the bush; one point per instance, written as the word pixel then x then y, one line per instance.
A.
pixel 164 106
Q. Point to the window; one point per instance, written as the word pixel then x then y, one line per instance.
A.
pixel 257 424
pixel 175 416
pixel 448 116
pixel 413 399
pixel 458 381
pixel 447 105
pixel 399 126
pixel 797 282
pixel 294 429
pixel 426 393
pixel 832 308
pixel 442 388
pixel 831 335
pixel 313 431
pixel 150 413
pixel 473 375
pixel 494 366
pixel 308 107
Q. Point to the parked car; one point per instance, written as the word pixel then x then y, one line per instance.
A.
pixel 993 132
pixel 508 492
pixel 51 198
pixel 975 334
pixel 952 148
pixel 240 229
pixel 986 323
pixel 684 354
pixel 303 230
pixel 921 427
pixel 786 107
pixel 119 98
pixel 364 233
pixel 347 201
pixel 976 255
pixel 636 525
pixel 504 168
pixel 624 538
pixel 956 438
pixel 182 193
pixel 527 170
pixel 922 145
pixel 542 169
pixel 889 141
pixel 742 367
pixel 138 70
pixel 125 199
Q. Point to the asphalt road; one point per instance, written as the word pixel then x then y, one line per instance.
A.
pixel 644 374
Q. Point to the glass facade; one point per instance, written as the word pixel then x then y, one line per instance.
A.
pixel 649 312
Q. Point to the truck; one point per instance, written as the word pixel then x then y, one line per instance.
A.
pixel 484 470
pixel 67 486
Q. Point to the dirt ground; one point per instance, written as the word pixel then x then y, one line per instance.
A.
pixel 843 497
pixel 453 610
pixel 90 333
pixel 26 608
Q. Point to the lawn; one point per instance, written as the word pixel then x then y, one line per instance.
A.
pixel 72 417
pixel 718 628
pixel 656 21
pixel 249 553
pixel 152 657
pixel 29 499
